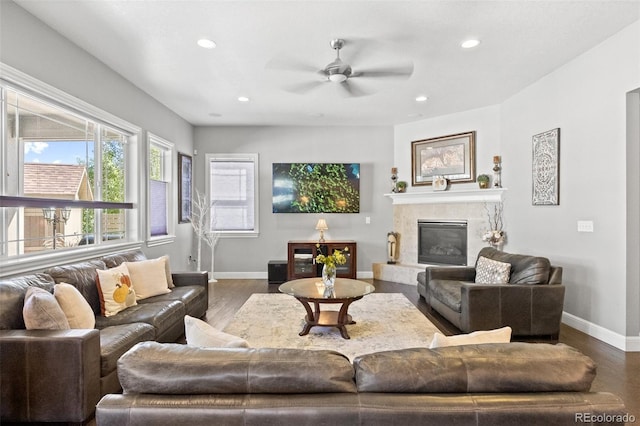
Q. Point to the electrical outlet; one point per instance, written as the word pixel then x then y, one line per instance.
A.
pixel 585 226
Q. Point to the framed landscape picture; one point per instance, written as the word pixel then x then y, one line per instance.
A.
pixel 546 168
pixel 452 157
pixel 184 188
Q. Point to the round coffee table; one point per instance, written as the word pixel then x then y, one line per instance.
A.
pixel 312 290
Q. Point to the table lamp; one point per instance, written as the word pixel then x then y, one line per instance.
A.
pixel 321 226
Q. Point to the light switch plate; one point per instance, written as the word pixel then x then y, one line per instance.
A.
pixel 585 226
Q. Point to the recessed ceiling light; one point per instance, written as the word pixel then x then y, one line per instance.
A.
pixel 206 43
pixel 243 99
pixel 421 98
pixel 468 44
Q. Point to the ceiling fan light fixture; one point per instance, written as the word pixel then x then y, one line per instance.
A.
pixel 337 78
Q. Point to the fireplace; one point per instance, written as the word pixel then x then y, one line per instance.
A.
pixel 442 242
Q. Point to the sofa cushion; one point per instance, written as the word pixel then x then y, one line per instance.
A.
pixel 115 290
pixel 199 333
pixel 150 367
pixel 118 339
pixel 490 271
pixel 524 269
pixel 161 315
pixel 42 312
pixel 83 277
pixel 193 297
pixel 500 335
pixel 148 277
pixel 448 292
pixel 75 307
pixel 486 368
pixel 12 292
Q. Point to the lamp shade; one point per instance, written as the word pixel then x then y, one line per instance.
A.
pixel 321 225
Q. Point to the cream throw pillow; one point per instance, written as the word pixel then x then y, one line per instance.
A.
pixel 148 277
pixel 500 335
pixel 74 305
pixel 199 333
pixel 167 270
pixel 42 312
pixel 490 271
pixel 115 289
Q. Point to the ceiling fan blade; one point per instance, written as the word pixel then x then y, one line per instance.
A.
pixel 352 89
pixel 288 64
pixel 304 87
pixel 400 71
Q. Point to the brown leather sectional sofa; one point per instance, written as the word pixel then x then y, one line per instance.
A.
pixel 490 384
pixel 531 303
pixel 60 375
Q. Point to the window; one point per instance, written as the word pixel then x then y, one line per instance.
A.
pixel 57 148
pixel 160 190
pixel 233 191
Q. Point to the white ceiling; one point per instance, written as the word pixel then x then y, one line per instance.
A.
pixel 153 44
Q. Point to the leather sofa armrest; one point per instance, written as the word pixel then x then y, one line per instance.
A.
pixel 527 309
pixel 455 273
pixel 190 278
pixel 49 375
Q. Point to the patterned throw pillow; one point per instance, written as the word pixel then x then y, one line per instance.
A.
pixel 116 292
pixel 492 272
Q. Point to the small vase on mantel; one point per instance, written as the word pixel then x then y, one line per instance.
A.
pixel 328 276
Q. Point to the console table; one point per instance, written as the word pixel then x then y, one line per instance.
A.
pixel 301 258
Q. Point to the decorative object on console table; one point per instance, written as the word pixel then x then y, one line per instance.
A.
pixel 392 247
pixel 321 226
pixel 546 168
pixel 330 262
pixel 451 156
pixel 495 235
pixel 394 179
pixel 497 168
pixel 483 181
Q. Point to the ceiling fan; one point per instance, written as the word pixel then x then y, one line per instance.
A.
pixel 341 73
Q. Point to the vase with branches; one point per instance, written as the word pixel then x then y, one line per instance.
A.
pixel 202 223
pixel 495 235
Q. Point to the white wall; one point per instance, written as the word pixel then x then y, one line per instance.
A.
pixel 372 147
pixel 30 46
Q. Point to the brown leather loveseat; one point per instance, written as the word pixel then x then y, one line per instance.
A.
pixel 531 302
pixel 60 375
pixel 489 384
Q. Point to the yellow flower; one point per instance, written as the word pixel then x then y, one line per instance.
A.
pixel 337 258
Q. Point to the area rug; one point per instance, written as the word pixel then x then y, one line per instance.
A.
pixel 384 321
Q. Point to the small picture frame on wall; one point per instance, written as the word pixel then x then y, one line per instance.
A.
pixel 546 168
pixel 184 187
pixel 452 157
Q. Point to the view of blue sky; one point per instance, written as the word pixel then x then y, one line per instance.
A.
pixel 57 152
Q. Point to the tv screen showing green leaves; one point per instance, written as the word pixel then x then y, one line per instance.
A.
pixel 316 187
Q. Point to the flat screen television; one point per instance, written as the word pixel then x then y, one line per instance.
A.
pixel 316 187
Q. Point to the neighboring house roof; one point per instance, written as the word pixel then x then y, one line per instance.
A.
pixel 54 179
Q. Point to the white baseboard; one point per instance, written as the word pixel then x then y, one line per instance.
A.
pixel 624 343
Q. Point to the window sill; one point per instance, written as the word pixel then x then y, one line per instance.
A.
pixel 158 241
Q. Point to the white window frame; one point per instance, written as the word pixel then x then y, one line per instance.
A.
pixel 254 158
pixel 169 175
pixel 21 82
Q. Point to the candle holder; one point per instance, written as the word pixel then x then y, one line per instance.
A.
pixel 394 179
pixel 497 170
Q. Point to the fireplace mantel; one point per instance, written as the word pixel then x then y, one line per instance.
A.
pixel 492 195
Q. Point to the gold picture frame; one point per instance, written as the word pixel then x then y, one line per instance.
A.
pixel 451 156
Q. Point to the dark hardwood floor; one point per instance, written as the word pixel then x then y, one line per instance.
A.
pixel 618 371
